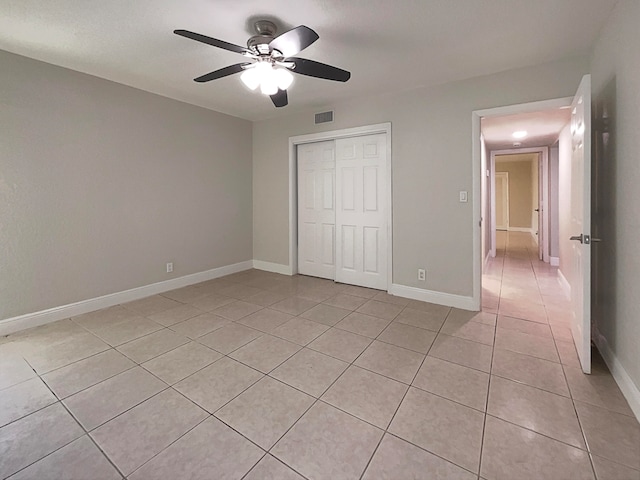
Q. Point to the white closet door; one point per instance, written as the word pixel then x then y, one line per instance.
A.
pixel 361 217
pixel 316 209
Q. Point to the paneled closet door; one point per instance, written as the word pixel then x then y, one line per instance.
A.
pixel 316 209
pixel 361 216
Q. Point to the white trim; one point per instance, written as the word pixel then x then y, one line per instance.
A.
pixel 384 128
pixel 620 375
pixel 272 267
pixel 564 283
pixel 476 117
pixel 29 320
pixel 520 229
pixel 554 261
pixel 440 298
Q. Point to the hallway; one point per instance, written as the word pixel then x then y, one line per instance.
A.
pixel 533 337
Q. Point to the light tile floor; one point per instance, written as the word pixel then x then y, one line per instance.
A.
pixel 260 376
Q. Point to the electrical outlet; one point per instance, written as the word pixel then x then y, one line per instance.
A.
pixel 422 274
pixel 169 267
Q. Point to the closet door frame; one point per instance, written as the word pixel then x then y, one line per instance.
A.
pixel 381 128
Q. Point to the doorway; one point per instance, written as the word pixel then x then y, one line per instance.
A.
pixel 340 205
pixel 502 201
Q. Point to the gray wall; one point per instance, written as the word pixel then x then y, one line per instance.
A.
pixel 102 184
pixel 553 208
pixel 431 157
pixel 615 68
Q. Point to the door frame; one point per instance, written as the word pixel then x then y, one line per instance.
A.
pixel 543 160
pixel 380 128
pixel 476 147
pixel 505 193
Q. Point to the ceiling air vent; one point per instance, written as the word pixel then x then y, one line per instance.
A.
pixel 324 117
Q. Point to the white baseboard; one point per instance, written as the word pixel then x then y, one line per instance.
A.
pixel 520 229
pixel 554 261
pixel 564 283
pixel 620 375
pixel 272 267
pixel 440 298
pixel 29 320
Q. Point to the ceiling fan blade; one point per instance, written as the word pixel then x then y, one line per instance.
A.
pixel 223 72
pixel 213 41
pixel 319 70
pixel 280 99
pixel 294 41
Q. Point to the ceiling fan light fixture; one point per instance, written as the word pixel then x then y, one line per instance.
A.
pixel 284 78
pixel 267 77
pixel 251 78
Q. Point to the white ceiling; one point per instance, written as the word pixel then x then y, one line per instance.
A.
pixel 387 45
pixel 542 128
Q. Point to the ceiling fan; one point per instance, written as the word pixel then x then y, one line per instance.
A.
pixel 273 60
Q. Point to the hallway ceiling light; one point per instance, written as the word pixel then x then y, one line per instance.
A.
pixel 519 134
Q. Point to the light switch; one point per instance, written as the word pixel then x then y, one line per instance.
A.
pixel 463 196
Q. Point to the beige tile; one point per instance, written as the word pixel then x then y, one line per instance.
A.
pixel 266 298
pixel 137 435
pixel 239 291
pixel 366 395
pixel 199 326
pixel 310 371
pixel 391 361
pixel 23 399
pixel 316 295
pixel 448 429
pixel 406 336
pixel 510 452
pixel 211 302
pixel 152 345
pixel 568 354
pixel 98 404
pixel 359 291
pixel 265 353
pixel 397 459
pixel 266 320
pixel 546 413
pixel 599 388
pixel 150 305
pixel 328 444
pixel 269 468
pixel 347 302
pixel 485 318
pixel 418 318
pixel 524 326
pixel 64 353
pixel 469 330
pixel 185 294
pixel 294 305
pixel 299 330
pixel 523 310
pixel 611 435
pixel 175 315
pixel 71 462
pixel 265 411
pixel 34 436
pixel 526 344
pixel 387 311
pixel 215 385
pixel 362 324
pixel 463 352
pixel 126 330
pixel 326 314
pixel 608 470
pixel 432 308
pixel 178 364
pixel 236 310
pixel 211 450
pixel 561 332
pixel 530 371
pixel 455 382
pixel 14 370
pixel 83 374
pixel 387 298
pixel 230 337
pixel 104 317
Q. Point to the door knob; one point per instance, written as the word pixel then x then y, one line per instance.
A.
pixel 537 210
pixel 577 238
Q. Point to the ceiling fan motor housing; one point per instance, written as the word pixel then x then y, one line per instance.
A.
pixel 266 32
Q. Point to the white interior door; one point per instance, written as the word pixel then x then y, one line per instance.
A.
pixel 316 209
pixel 581 222
pixel 502 200
pixel 361 217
